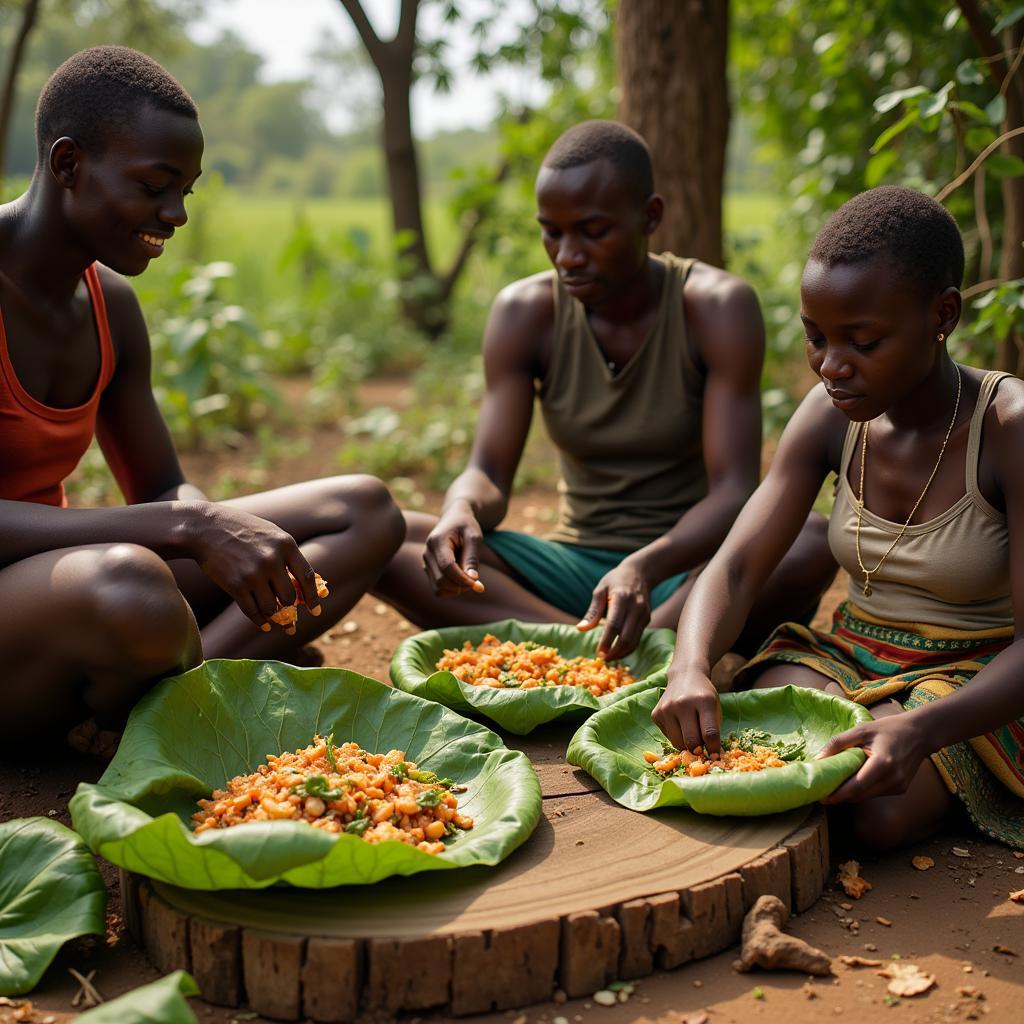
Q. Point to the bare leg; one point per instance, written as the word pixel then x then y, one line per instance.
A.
pixel 884 822
pixel 87 631
pixel 404 585
pixel 792 592
pixel 347 527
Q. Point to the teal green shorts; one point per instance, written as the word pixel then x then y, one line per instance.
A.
pixel 564 575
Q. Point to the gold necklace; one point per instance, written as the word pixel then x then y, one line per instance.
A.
pixel 868 573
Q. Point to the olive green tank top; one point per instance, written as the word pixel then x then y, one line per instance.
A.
pixel 952 571
pixel 629 443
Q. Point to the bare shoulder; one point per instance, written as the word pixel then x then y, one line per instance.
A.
pixel 724 316
pixel 1004 419
pixel 815 432
pixel 124 315
pixel 521 320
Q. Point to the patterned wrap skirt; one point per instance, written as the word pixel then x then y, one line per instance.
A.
pixel 914 663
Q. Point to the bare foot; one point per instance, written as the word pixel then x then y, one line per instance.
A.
pixel 88 738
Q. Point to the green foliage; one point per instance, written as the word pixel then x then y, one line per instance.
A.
pixel 160 1002
pixel 413 669
pixel 193 732
pixel 50 891
pixel 610 746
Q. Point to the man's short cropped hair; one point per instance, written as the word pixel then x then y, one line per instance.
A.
pixel 102 87
pixel 917 234
pixel 622 147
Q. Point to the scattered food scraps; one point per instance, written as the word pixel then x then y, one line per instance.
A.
pixel 697 1018
pixel 605 998
pixel 959 851
pixel 884 922
pixel 859 961
pixel 809 991
pixel 765 945
pixel 922 863
pixel 907 979
pixel 849 878
pixel 970 992
pixel 1005 950
pixel 1018 896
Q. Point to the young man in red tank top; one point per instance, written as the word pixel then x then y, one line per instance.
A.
pixel 597 209
pixel 100 603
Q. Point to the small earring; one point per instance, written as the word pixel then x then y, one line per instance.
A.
pixel 941 336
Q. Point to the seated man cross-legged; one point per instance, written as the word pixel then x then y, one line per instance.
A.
pixel 647 368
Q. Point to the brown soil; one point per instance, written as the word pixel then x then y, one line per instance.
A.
pixel 954 920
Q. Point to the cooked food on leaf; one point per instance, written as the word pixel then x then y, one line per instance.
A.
pixel 287 614
pixel 527 665
pixel 751 750
pixel 342 789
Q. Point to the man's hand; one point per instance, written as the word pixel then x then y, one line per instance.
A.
pixel 895 750
pixel 689 713
pixel 452 551
pixel 255 562
pixel 624 596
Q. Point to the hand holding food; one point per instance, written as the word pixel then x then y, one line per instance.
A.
pixel 286 615
pixel 624 597
pixel 689 713
pixel 751 750
pixel 256 562
pixel 377 797
pixel 527 665
pixel 451 556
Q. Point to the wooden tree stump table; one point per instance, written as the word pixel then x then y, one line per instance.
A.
pixel 597 893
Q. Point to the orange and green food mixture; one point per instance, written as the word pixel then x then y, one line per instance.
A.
pixel 528 665
pixel 342 789
pixel 752 750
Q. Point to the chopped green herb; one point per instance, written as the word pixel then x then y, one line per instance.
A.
pixel 758 992
pixel 509 679
pixel 330 753
pixel 429 797
pixel 316 785
pixel 716 769
pixel 358 826
pixel 430 779
pixel 400 770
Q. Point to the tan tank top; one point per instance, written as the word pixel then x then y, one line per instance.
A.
pixel 952 571
pixel 629 443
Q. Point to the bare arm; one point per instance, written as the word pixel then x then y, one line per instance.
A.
pixel 478 498
pixel 723 314
pixel 715 612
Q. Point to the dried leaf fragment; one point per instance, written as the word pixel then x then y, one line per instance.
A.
pixel 969 992
pixel 907 979
pixel 849 878
pixel 960 851
pixel 858 961
pixel 1005 950
pixel 922 863
pixel 884 922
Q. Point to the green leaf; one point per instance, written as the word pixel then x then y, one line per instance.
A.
pixel 161 1002
pixel 413 669
pixel 193 732
pixel 995 110
pixel 971 109
pixel 936 103
pixel 968 73
pixel 951 18
pixel 893 130
pixel 1005 165
pixel 611 744
pixel 978 138
pixel 50 891
pixel 888 100
pixel 1010 18
pixel 878 166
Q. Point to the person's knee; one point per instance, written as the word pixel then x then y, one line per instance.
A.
pixel 139 611
pixel 373 512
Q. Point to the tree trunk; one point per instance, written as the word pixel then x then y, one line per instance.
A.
pixel 28 21
pixel 672 70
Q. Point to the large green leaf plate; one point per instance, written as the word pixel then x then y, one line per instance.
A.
pixel 611 744
pixel 413 669
pixel 195 731
pixel 50 891
pixel 160 1002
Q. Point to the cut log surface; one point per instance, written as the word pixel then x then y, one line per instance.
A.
pixel 597 893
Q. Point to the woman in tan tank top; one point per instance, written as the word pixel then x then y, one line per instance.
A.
pixel 929 493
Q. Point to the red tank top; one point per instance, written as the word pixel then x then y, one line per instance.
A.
pixel 39 445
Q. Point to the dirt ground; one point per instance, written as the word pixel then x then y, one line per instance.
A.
pixel 955 920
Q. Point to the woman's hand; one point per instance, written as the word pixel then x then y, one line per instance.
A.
pixel 249 558
pixel 624 596
pixel 895 750
pixel 453 552
pixel 689 713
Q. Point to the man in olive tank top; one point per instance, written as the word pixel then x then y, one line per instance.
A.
pixel 647 369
